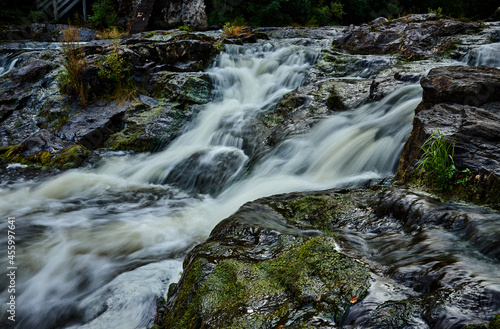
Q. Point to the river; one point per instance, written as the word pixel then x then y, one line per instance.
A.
pixel 96 247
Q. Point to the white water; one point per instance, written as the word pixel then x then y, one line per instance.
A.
pixel 96 247
pixel 484 55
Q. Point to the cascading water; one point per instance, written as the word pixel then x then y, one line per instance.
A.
pixel 484 55
pixel 97 247
pixel 8 62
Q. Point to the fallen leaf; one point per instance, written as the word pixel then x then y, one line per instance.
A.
pixel 354 300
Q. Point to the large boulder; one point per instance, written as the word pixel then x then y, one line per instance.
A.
pixel 414 36
pixel 463 103
pixel 257 271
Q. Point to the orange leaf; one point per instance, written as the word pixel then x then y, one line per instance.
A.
pixel 354 300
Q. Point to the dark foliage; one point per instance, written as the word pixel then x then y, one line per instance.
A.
pixel 318 12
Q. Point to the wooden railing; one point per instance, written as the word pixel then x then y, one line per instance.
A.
pixel 59 8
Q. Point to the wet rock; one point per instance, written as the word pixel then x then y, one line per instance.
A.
pixel 416 211
pixel 338 64
pixel 464 104
pixel 257 271
pixel 414 36
pixel 198 174
pixel 25 93
pixel 92 125
pixel 304 107
pixel 400 75
pixel 46 149
pixel 462 85
pixel 150 127
pixel 190 88
pixel 32 72
pixel 326 32
pixel 181 53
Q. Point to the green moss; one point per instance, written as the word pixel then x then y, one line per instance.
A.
pixel 68 158
pixel 334 102
pixel 233 293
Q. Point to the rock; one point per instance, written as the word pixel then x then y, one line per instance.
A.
pixel 322 33
pixel 46 149
pixel 32 72
pixel 197 174
pixel 185 88
pixel 168 14
pixel 150 128
pixel 496 15
pixel 414 36
pixel 142 14
pixel 181 53
pixel 399 75
pixel 462 85
pixel 257 271
pixel 41 141
pixel 24 94
pixel 302 108
pixel 92 125
pixel 193 14
pixel 463 103
pixel 338 64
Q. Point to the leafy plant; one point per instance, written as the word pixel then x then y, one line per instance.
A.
pixel 437 163
pixel 438 11
pixel 115 68
pixel 70 78
pixel 104 14
pixel 185 28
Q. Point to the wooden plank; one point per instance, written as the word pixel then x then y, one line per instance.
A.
pixel 71 5
pixel 42 4
pixel 54 3
pixel 85 11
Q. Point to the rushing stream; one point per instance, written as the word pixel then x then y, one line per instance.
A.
pixel 96 247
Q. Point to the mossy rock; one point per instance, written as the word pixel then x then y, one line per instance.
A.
pixel 150 129
pixel 309 281
pixel 67 158
pixel 268 266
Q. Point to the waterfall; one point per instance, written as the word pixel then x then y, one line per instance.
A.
pixel 97 247
pixel 484 55
pixel 8 63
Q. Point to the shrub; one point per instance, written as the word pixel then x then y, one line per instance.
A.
pixel 438 11
pixel 70 79
pixel 115 68
pixel 104 14
pixel 437 163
